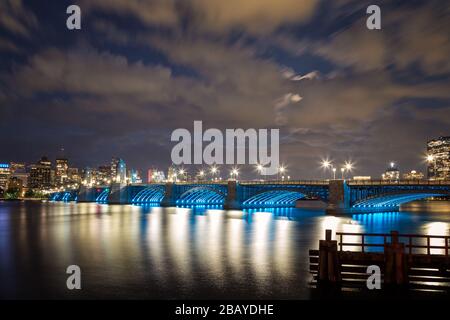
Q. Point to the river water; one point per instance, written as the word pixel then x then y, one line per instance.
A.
pixel 135 252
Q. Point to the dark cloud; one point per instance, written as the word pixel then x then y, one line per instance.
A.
pixel 16 18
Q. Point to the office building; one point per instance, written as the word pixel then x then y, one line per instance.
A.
pixel 413 175
pixel 392 173
pixel 118 170
pixel 61 172
pixel 438 158
pixel 41 174
pixel 5 173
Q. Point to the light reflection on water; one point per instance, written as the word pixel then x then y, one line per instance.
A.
pixel 170 253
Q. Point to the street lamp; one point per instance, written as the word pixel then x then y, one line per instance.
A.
pixel 334 173
pixel 182 174
pixel 348 166
pixel 281 170
pixel 234 173
pixel 431 159
pixel 259 168
pixel 214 171
pixel 325 164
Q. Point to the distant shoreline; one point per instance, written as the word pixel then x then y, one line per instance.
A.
pixel 22 199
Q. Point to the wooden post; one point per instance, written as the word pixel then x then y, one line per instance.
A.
pixel 329 268
pixel 395 272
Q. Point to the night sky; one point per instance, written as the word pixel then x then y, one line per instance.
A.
pixel 140 69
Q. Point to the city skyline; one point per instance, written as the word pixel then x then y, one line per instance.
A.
pixel 323 168
pixel 126 80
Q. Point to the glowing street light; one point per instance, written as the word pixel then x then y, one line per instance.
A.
pixel 348 166
pixel 259 168
pixel 214 171
pixel 326 164
pixel 234 173
pixel 334 173
pixel 431 159
pixel 201 174
pixel 282 170
pixel 342 173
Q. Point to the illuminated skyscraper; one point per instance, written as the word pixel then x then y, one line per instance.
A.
pixel 74 176
pixel 104 174
pixel 4 175
pixel 135 176
pixel 19 173
pixel 392 173
pixel 61 173
pixel 118 170
pixel 439 158
pixel 41 174
pixel 172 174
pixel 155 175
pixel 17 167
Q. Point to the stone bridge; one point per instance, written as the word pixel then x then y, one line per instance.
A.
pixel 341 196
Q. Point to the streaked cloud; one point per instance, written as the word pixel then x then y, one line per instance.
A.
pixel 16 18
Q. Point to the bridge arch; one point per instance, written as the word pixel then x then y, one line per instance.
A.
pixel 56 196
pixel 152 194
pixel 202 195
pixel 273 198
pixel 394 200
pixel 103 196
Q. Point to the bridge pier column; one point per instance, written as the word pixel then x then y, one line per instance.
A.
pixel 118 194
pixel 232 201
pixel 169 199
pixel 339 198
pixel 86 194
pixel 329 273
pixel 396 269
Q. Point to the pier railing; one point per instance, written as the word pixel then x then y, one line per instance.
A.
pixel 406 261
pixel 441 243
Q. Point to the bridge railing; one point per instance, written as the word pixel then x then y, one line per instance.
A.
pixel 245 182
pixel 318 182
pixel 285 182
pixel 366 240
pixel 398 182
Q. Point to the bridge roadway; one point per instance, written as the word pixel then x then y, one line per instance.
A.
pixel 341 196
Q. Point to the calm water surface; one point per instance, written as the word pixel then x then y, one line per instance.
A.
pixel 177 253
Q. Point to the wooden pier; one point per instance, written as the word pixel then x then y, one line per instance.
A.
pixel 409 261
